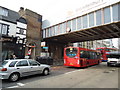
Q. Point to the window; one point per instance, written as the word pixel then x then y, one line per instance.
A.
pixel 100 49
pixel 85 22
pixel 12 64
pixel 64 27
pixel 69 24
pixel 49 32
pixel 21 31
pixel 73 24
pixel 56 30
pixel 0 28
pixel 71 52
pixel 115 12
pixel 52 31
pixel 107 15
pixel 83 54
pixel 107 49
pixel 91 19
pixel 79 23
pixel 4 63
pixel 43 33
pixel 98 55
pixel 61 28
pixel 33 63
pixel 3 12
pixel 4 29
pixel 22 63
pixel 98 17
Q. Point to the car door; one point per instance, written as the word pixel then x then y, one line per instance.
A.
pixel 23 68
pixel 35 67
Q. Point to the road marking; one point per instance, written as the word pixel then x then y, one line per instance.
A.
pixel 20 84
pixel 73 71
pixel 13 87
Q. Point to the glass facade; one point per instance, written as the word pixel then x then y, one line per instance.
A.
pixel 69 24
pixel 73 24
pixel 56 30
pixel 64 28
pixel 119 11
pixel 79 23
pixel 47 32
pixel 91 19
pixel 0 28
pixel 85 22
pixel 107 15
pixel 61 28
pixel 98 17
pixel 115 12
pixel 52 31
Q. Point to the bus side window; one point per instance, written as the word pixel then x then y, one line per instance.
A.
pixel 84 54
pixel 81 54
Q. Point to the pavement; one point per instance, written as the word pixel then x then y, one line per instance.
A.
pixel 80 78
pixel 57 67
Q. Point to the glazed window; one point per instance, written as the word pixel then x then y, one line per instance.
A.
pixel 71 52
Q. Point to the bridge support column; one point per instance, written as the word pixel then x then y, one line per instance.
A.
pixel 56 51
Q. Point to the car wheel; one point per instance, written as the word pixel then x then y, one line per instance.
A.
pixel 14 77
pixel 45 72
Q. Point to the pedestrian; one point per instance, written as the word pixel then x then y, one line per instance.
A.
pixel 14 56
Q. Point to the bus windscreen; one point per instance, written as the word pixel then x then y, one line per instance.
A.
pixel 71 52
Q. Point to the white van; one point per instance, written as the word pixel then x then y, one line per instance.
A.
pixel 113 58
pixel 113 62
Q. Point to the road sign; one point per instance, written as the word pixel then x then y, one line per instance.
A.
pixel 45 47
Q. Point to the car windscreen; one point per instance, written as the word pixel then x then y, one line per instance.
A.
pixel 113 56
pixel 71 52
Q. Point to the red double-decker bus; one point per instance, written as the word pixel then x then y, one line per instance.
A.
pixel 81 57
pixel 105 52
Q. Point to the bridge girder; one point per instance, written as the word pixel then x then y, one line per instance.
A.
pixel 106 31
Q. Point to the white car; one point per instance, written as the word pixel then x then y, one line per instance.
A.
pixel 14 69
pixel 113 62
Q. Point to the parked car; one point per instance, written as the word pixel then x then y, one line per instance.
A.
pixel 14 69
pixel 45 60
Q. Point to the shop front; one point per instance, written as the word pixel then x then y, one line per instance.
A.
pixel 10 48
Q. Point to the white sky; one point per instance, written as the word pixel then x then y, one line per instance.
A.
pixel 49 9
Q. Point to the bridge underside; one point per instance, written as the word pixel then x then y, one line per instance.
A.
pixel 107 31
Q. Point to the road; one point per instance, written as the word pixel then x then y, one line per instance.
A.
pixel 98 76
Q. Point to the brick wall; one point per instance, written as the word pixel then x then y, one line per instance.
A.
pixel 33 34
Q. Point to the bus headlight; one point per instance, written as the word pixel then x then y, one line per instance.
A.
pixel 64 61
pixel 78 62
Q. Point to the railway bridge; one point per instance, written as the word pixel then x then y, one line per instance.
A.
pixel 101 22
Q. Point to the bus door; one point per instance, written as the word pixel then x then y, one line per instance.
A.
pixel 72 56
